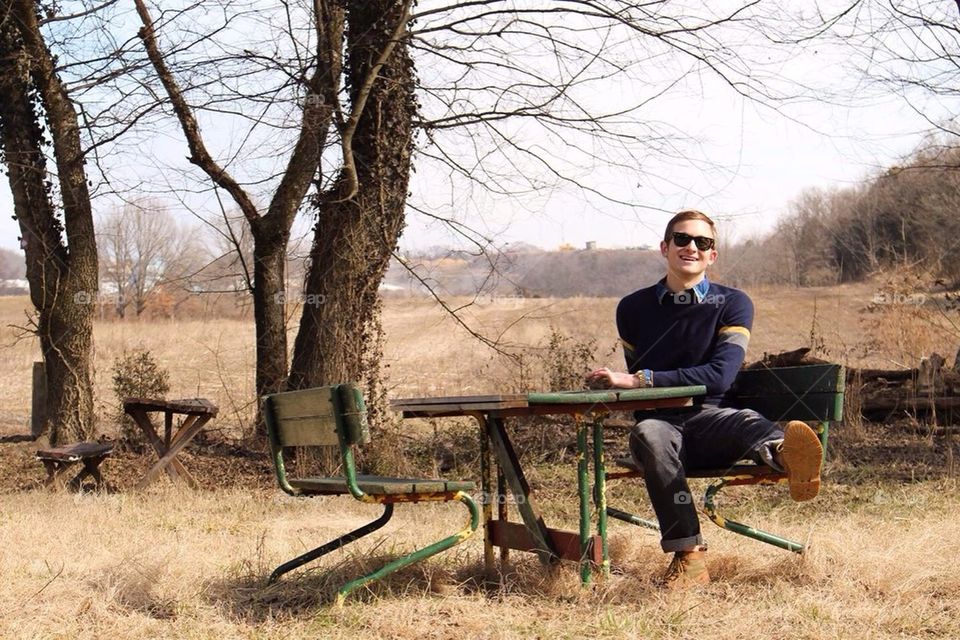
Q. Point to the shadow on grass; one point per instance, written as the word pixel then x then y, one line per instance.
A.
pixel 312 591
pixel 309 594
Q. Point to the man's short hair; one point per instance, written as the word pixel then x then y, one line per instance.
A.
pixel 688 214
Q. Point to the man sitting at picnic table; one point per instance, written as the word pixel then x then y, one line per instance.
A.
pixel 686 330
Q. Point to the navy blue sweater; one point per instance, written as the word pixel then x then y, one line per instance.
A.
pixel 698 336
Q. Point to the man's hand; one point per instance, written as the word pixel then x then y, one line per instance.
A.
pixel 606 379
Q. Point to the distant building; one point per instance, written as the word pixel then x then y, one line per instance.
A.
pixel 591 245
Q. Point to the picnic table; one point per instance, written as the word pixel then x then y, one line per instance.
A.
pixel 196 411
pixel 589 408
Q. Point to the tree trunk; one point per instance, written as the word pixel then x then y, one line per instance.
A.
pixel 62 276
pixel 270 236
pixel 338 339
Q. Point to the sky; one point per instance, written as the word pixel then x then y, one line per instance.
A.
pixel 771 160
pixel 764 160
pixel 743 165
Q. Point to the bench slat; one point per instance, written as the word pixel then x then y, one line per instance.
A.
pixel 75 452
pixel 809 407
pixel 304 418
pixel 820 378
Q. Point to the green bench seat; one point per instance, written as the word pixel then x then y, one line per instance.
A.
pixel 336 417
pixel 810 393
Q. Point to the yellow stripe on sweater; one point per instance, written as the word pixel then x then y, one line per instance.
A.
pixel 741 330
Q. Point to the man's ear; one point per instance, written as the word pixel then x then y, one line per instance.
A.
pixel 663 248
pixel 712 256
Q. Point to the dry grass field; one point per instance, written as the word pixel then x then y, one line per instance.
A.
pixel 168 562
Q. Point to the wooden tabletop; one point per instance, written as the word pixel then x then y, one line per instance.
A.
pixel 549 402
pixel 190 406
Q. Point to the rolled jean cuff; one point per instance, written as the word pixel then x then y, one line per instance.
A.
pixel 681 544
pixel 767 454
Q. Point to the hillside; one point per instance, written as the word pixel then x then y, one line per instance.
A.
pixel 529 273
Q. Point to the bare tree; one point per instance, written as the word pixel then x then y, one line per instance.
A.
pixel 910 48
pixel 143 248
pixel 313 80
pixel 56 222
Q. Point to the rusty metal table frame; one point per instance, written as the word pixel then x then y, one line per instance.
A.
pixel 588 408
pixel 198 412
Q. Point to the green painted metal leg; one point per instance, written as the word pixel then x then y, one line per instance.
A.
pixel 743 529
pixel 487 495
pixel 333 545
pixel 600 491
pixel 824 433
pixel 418 555
pixel 632 519
pixel 584 493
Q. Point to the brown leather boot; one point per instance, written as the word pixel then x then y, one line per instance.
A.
pixel 687 569
pixel 801 456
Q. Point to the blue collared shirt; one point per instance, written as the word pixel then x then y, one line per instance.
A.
pixel 699 290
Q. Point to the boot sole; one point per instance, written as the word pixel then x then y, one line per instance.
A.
pixel 802 456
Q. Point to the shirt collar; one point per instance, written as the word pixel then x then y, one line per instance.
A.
pixel 699 290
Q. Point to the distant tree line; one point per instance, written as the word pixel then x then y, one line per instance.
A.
pixel 905 217
pixel 11 265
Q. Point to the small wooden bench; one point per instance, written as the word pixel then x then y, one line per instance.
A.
pixel 58 459
pixel 810 393
pixel 336 417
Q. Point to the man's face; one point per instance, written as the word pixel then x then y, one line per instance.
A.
pixel 688 262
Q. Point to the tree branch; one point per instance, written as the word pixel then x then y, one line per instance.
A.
pixel 191 129
pixel 349 171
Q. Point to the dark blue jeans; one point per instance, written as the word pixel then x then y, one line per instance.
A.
pixel 669 443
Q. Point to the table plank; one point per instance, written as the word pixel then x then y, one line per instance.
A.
pixel 441 410
pixel 200 406
pixel 398 402
pixel 614 395
pixel 593 408
pixel 542 403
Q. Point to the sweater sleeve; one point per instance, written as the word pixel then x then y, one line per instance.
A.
pixel 720 369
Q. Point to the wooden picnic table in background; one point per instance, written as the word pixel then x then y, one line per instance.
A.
pixel 197 412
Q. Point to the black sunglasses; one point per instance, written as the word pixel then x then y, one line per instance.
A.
pixel 704 243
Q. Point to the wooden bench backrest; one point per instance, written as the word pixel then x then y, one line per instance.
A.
pixel 807 392
pixel 322 416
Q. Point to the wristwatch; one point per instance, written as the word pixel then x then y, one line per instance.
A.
pixel 643 379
